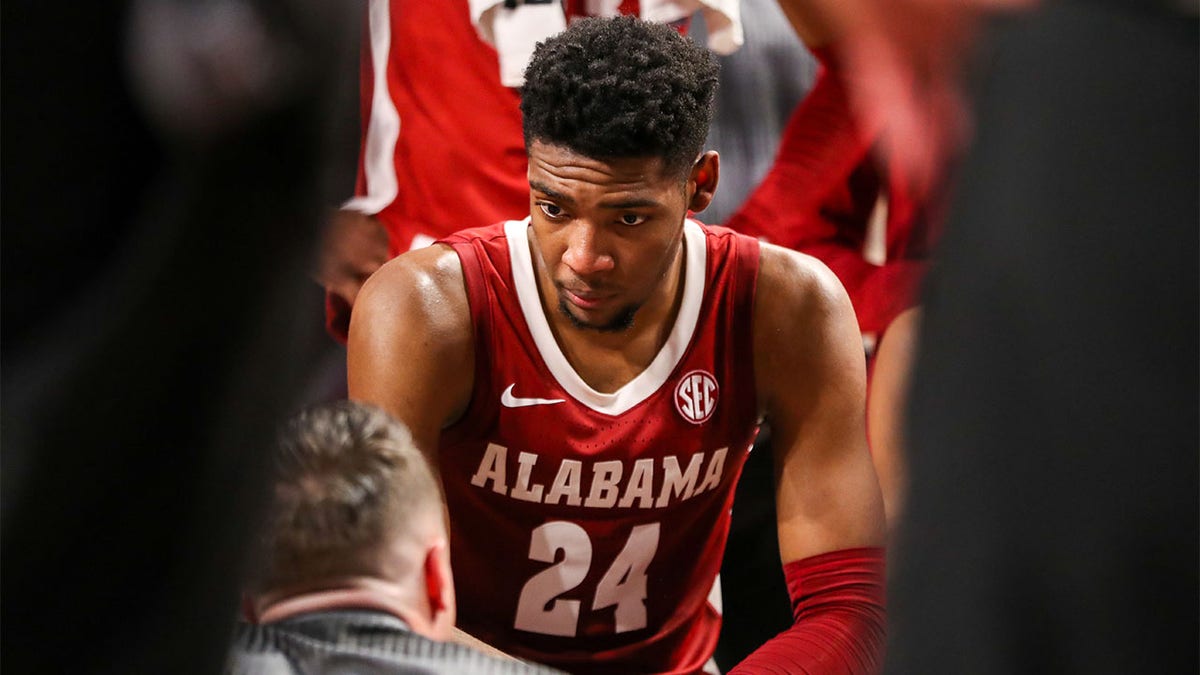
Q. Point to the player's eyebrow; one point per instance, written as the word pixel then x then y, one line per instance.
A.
pixel 635 203
pixel 550 192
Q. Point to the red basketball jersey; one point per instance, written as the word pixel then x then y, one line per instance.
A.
pixel 588 527
pixel 442 146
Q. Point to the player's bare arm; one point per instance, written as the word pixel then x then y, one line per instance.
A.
pixel 411 350
pixel 812 385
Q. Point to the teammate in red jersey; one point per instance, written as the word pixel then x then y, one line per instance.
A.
pixel 589 380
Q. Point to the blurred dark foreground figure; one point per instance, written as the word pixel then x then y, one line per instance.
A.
pixel 162 178
pixel 1052 518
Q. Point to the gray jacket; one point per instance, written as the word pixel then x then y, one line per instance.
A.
pixel 363 642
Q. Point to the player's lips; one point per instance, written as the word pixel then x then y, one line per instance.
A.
pixel 587 298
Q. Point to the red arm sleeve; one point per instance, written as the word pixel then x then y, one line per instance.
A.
pixel 806 201
pixel 820 146
pixel 838 607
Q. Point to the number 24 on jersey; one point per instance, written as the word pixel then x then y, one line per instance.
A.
pixel 539 608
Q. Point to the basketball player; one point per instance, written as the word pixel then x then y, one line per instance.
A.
pixel 589 379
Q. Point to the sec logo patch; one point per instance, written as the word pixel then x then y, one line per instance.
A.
pixel 696 396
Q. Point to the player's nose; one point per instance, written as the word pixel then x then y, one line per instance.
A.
pixel 587 252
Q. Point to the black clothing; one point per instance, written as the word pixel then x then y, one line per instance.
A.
pixel 1051 525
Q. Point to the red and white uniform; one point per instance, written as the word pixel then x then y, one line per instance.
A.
pixel 822 197
pixel 442 144
pixel 588 528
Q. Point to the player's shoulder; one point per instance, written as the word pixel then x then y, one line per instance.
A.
pixel 433 268
pixel 430 281
pixel 804 328
pixel 797 282
pixel 423 287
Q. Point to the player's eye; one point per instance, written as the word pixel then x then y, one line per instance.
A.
pixel 632 219
pixel 551 210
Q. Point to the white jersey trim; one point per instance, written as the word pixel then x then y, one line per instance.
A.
pixel 383 127
pixel 695 250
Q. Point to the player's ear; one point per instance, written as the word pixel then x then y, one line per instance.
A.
pixel 439 589
pixel 702 181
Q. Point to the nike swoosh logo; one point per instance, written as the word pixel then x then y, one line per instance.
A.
pixel 509 401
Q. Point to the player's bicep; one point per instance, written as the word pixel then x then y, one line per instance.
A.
pixel 812 378
pixel 410 347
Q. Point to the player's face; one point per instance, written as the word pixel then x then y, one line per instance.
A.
pixel 606 233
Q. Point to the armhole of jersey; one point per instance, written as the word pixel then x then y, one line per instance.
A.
pixel 481 321
pixel 745 289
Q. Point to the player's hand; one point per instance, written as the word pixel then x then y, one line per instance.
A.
pixel 353 246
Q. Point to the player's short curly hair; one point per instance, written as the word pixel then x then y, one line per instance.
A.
pixel 621 87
